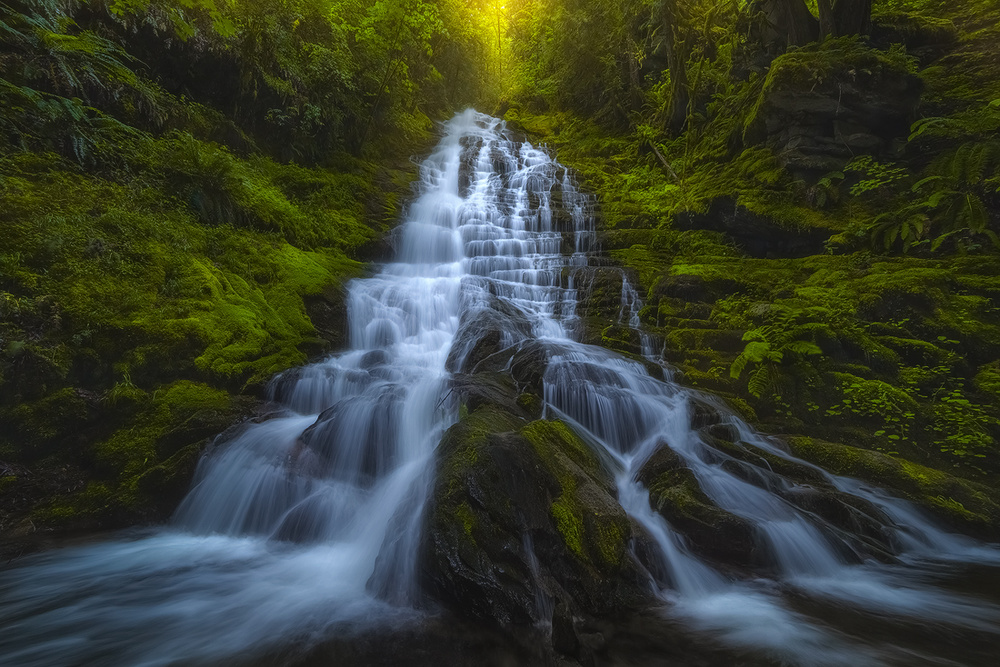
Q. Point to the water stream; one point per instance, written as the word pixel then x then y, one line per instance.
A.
pixel 307 524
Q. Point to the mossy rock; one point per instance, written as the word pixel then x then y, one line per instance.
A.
pixel 773 232
pixel 522 510
pixel 962 505
pixel 858 523
pixel 621 338
pixel 987 380
pixel 485 332
pixel 926 37
pixel 599 291
pixel 825 102
pixel 722 342
pixel 920 352
pixel 496 389
pixel 59 421
pixel 713 532
pixel 691 287
pixel 143 469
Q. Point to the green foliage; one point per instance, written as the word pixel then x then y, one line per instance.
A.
pixel 159 248
pixel 874 176
pixel 950 203
pixel 892 407
pixel 767 347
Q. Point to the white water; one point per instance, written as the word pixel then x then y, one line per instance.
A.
pixel 307 525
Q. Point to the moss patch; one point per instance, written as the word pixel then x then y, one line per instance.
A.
pixel 957 501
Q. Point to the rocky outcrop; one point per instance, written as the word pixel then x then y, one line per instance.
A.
pixel 714 533
pixel 959 503
pixel 524 518
pixel 825 103
pixel 755 234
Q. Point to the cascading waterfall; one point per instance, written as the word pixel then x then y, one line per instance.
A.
pixel 306 524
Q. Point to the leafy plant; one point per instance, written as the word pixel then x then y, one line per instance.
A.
pixel 766 348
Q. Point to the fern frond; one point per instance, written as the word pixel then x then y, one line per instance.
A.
pixel 739 363
pixel 760 380
pixel 804 347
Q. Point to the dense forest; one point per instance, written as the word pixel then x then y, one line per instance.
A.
pixel 804 195
pixel 186 187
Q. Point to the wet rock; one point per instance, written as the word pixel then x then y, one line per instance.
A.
pixel 522 513
pixel 328 313
pixel 854 520
pixel 704 414
pixel 526 364
pixel 564 639
pixel 494 389
pixel 675 494
pixel 485 332
pixel 369 422
pixel 960 504
pixel 599 291
pixel 621 338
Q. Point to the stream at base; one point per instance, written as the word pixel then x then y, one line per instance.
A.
pixel 304 528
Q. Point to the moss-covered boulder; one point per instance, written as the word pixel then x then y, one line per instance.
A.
pixel 523 515
pixel 959 504
pixel 134 470
pixel 714 533
pixel 826 102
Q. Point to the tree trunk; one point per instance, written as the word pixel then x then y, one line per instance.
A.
pixel 827 20
pixel 852 17
pixel 676 57
pixel 789 22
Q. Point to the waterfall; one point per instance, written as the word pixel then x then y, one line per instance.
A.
pixel 307 524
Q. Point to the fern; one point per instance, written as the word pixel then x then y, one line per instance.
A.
pixel 949 203
pixel 763 378
pixel 767 347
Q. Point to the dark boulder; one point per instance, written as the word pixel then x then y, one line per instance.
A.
pixel 522 517
pixel 825 103
pixel 714 533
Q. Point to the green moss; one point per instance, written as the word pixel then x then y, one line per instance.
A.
pixel 552 441
pixel 47 421
pixel 987 379
pixel 7 483
pixel 680 493
pixel 611 541
pixel 464 439
pixel 744 409
pixel 622 338
pixel 568 523
pixel 592 533
pixel 952 506
pixel 467 517
pixel 919 351
pixel 828 62
pixel 959 500
pixel 178 415
pixel 530 402
pixel 97 501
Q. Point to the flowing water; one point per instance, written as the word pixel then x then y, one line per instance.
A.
pixel 305 526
